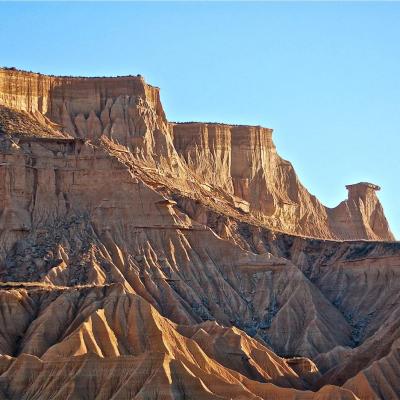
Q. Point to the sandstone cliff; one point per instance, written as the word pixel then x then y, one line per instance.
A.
pixel 125 109
pixel 140 259
pixel 240 161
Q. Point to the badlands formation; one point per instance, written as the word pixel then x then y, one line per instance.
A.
pixel 144 259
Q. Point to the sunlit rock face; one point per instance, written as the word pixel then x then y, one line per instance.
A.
pixel 239 160
pixel 142 259
pixel 363 212
pixel 125 109
pixel 243 161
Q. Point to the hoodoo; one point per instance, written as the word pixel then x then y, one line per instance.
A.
pixel 145 259
pixel 361 215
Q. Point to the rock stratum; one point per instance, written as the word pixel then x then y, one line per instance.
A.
pixel 144 259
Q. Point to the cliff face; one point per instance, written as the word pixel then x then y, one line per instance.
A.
pixel 239 160
pixel 125 109
pixel 243 160
pixel 139 259
pixel 48 94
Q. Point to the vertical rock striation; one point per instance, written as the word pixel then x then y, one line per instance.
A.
pixel 146 259
pixel 361 215
pixel 240 161
pixel 243 160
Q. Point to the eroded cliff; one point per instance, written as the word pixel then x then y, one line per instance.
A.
pixel 239 161
pixel 141 259
pixel 243 160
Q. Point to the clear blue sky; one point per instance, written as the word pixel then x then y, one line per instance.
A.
pixel 325 76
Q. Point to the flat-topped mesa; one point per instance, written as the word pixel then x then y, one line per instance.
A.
pixel 235 161
pixel 125 108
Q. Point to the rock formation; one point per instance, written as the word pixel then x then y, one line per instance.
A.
pixel 142 259
pixel 362 212
pixel 239 161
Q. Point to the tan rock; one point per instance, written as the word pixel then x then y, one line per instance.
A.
pixel 238 160
pixel 147 259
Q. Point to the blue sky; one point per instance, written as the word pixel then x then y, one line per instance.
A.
pixel 324 75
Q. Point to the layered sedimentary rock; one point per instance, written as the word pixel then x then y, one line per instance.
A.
pixel 363 212
pixel 241 161
pixel 125 109
pixel 139 259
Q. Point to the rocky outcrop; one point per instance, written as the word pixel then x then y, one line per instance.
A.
pixel 362 212
pixel 125 109
pixel 146 259
pixel 239 161
pixel 243 160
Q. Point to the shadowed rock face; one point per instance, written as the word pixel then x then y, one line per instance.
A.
pixel 139 259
